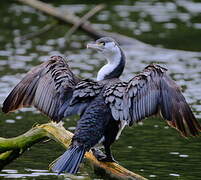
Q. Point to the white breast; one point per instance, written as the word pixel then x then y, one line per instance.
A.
pixel 113 57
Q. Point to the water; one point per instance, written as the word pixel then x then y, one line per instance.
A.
pixel 151 149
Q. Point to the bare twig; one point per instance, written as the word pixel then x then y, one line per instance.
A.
pixel 45 29
pixel 84 19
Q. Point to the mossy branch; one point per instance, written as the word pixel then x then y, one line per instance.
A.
pixel 12 148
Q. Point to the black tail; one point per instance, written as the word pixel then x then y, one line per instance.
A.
pixel 70 160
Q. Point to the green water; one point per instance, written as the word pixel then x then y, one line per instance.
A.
pixel 151 149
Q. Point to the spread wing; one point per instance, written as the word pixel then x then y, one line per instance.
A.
pixel 84 92
pixel 46 87
pixel 148 93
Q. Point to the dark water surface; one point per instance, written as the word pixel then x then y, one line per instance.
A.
pixel 151 149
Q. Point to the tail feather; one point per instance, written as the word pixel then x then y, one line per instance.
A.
pixel 70 160
pixel 75 166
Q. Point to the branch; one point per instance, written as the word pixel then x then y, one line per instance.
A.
pixel 84 19
pixel 12 148
pixel 72 19
pixel 39 32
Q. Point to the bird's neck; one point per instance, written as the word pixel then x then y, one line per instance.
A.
pixel 114 68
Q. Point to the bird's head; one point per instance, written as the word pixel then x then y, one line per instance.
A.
pixel 107 46
pixel 110 49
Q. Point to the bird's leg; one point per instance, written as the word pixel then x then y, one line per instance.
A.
pixel 98 153
pixel 109 138
pixel 107 157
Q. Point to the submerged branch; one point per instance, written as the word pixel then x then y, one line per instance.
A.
pixel 12 148
pixel 39 32
pixel 72 19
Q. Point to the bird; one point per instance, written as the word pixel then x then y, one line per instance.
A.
pixel 105 105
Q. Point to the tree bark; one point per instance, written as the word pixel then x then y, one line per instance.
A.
pixel 12 148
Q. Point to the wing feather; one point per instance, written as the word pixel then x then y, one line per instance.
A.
pixel 84 92
pixel 149 93
pixel 158 92
pixel 46 87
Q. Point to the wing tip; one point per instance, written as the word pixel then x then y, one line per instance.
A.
pixel 6 107
pixel 188 131
pixel 10 104
pixel 4 110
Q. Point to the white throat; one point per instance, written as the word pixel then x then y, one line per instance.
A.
pixel 113 60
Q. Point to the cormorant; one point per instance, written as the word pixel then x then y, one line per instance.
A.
pixel 105 106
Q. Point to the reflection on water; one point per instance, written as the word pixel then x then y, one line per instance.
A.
pixel 151 149
pixel 10 173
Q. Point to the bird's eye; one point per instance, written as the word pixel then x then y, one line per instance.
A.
pixel 102 43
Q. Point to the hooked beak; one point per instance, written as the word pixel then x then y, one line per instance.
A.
pixel 95 46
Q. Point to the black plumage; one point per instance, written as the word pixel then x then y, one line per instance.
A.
pixel 95 124
pixel 104 106
pixel 70 160
pixel 46 87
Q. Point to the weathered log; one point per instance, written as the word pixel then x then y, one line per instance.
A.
pixel 12 148
pixel 72 19
pixel 48 27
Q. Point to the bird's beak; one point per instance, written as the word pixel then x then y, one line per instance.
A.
pixel 95 46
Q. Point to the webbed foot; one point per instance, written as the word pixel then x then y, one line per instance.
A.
pixel 100 156
pixel 98 153
pixel 108 159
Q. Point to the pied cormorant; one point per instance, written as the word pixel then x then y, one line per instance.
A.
pixel 105 106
